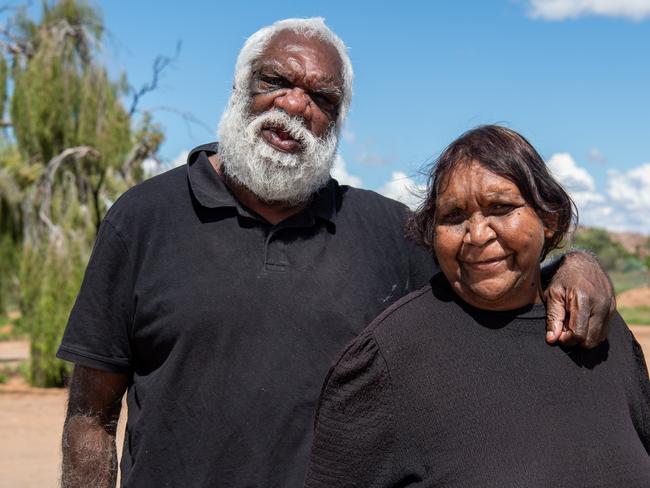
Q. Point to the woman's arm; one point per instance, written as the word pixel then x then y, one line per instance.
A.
pixel 638 387
pixel 354 438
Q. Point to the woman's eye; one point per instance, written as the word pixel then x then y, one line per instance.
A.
pixel 452 218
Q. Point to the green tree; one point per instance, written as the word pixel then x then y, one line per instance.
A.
pixel 612 255
pixel 72 148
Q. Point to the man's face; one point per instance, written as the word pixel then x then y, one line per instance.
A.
pixel 302 77
pixel 278 139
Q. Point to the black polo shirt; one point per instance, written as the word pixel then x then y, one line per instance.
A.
pixel 228 324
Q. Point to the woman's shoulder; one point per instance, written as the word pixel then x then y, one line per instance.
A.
pixel 409 305
pixel 430 306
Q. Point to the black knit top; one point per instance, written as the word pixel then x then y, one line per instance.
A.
pixel 437 393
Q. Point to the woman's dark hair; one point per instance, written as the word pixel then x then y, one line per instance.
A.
pixel 508 154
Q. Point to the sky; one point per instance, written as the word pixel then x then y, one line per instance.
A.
pixel 573 76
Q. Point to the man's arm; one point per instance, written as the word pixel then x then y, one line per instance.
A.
pixel 580 300
pixel 89 455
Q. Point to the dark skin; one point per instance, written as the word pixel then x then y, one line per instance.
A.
pixel 94 404
pixel 302 77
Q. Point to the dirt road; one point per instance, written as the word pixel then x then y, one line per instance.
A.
pixel 31 420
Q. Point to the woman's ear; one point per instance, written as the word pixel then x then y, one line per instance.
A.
pixel 550 225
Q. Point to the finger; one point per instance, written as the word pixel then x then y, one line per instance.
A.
pixel 600 321
pixel 567 338
pixel 594 333
pixel 555 313
pixel 579 312
pixel 603 329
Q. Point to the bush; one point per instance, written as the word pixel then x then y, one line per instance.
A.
pixel 612 255
pixel 8 269
pixel 50 281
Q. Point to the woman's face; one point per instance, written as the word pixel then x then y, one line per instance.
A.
pixel 488 241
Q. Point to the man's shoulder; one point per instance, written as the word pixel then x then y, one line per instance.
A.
pixel 154 196
pixel 360 201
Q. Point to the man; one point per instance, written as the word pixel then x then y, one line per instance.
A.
pixel 220 293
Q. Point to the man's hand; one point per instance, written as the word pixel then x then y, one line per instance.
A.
pixel 580 302
pixel 89 455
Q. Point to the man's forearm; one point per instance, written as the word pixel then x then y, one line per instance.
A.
pixel 89 454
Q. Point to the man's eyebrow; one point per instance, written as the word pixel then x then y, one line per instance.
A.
pixel 329 90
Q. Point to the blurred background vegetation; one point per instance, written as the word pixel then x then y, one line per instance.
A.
pixel 626 257
pixel 69 147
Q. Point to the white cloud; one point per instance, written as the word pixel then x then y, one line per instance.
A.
pixel 150 167
pixel 153 167
pixel 402 188
pixel 340 173
pixel 592 206
pixel 631 188
pixel 349 136
pixel 572 176
pixel 564 9
pixel 595 156
pixel 180 159
pixel 631 191
pixel 624 206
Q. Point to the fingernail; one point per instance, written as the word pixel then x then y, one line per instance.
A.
pixel 549 336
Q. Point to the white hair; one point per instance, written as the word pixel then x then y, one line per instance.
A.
pixel 311 28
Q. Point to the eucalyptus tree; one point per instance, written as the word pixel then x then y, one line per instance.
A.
pixel 68 148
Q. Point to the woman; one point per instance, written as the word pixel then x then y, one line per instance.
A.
pixel 452 386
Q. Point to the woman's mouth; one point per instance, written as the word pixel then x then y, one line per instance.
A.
pixel 486 265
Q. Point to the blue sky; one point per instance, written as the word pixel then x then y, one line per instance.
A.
pixel 572 75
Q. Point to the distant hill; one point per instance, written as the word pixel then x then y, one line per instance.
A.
pixel 637 244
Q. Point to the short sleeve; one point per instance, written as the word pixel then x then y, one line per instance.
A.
pixel 98 331
pixel 354 438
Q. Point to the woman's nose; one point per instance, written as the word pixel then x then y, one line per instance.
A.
pixel 479 231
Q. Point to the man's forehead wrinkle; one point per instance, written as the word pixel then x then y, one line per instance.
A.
pixel 294 47
pixel 269 63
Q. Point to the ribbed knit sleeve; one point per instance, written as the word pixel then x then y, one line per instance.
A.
pixel 354 437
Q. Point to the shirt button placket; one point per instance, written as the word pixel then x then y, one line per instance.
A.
pixel 275 257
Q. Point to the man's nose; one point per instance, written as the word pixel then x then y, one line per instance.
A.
pixel 479 231
pixel 295 102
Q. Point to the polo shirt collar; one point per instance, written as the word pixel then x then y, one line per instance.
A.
pixel 211 192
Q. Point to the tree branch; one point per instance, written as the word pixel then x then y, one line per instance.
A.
pixel 159 65
pixel 47 182
pixel 188 117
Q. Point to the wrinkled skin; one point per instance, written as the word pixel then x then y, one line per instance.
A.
pixel 580 302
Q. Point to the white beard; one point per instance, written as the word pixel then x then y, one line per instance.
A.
pixel 271 175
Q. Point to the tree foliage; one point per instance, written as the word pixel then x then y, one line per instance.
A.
pixel 69 147
pixel 611 254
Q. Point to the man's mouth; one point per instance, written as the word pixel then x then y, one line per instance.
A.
pixel 280 139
